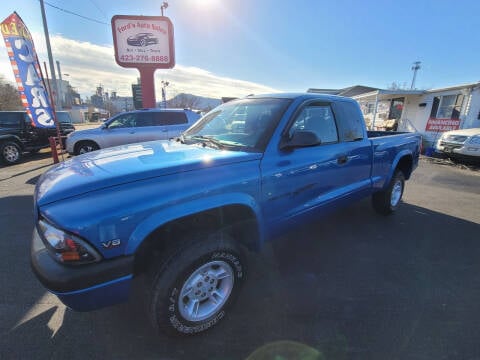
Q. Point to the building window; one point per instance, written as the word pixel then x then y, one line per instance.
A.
pixel 447 107
pixel 396 108
pixel 368 108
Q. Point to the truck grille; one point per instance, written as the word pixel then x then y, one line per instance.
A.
pixel 450 145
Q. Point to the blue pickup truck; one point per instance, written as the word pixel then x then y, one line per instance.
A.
pixel 183 212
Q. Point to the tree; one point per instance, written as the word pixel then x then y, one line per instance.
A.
pixel 9 96
pixel 397 86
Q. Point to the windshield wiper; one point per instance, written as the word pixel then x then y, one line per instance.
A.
pixel 207 140
pixel 180 139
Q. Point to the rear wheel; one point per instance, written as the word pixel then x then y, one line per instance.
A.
pixel 193 289
pixel 85 146
pixel 10 153
pixel 386 202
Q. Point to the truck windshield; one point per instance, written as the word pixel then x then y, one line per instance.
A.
pixel 244 125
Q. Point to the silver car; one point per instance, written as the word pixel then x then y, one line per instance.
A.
pixel 131 127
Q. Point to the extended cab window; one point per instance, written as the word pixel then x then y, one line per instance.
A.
pixel 350 121
pixel 319 119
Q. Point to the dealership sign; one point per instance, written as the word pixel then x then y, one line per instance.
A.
pixel 143 41
pixel 24 61
pixel 441 125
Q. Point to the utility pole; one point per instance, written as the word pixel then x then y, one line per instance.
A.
pixel 415 68
pixel 58 104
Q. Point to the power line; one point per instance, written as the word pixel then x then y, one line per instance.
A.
pixel 73 13
pixel 98 8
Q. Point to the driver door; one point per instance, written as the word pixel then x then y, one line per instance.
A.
pixel 299 180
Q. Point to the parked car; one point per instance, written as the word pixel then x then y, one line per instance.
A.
pixel 131 127
pixel 461 144
pixel 183 212
pixel 19 136
pixel 142 39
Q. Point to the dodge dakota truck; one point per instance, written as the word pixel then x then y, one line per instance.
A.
pixel 182 212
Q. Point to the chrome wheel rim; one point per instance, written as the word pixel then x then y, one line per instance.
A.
pixel 11 153
pixel 396 193
pixel 206 291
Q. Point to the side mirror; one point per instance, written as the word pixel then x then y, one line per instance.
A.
pixel 301 138
pixel 103 126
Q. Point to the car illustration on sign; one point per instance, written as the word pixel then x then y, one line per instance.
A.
pixel 142 39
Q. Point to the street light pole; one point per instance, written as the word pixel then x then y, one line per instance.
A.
pixel 58 104
pixel 164 6
pixel 415 68
pixel 164 93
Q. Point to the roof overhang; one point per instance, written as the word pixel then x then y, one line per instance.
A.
pixel 387 94
pixel 456 87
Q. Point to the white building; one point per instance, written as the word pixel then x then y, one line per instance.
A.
pixel 429 112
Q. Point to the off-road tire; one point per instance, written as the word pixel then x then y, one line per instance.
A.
pixel 169 279
pixel 386 202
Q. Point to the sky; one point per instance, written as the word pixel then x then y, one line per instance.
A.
pixel 236 48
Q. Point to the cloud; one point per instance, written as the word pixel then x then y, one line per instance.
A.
pixel 89 65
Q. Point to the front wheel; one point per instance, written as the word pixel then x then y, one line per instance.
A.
pixel 85 146
pixel 386 202
pixel 194 288
pixel 10 153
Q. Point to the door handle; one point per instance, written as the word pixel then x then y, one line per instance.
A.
pixel 342 159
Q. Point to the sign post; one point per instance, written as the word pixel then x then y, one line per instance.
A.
pixel 145 43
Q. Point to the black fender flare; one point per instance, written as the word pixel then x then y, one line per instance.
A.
pixel 14 138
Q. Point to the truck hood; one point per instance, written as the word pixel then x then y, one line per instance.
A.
pixel 463 132
pixel 119 165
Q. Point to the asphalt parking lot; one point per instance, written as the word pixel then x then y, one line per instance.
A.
pixel 354 285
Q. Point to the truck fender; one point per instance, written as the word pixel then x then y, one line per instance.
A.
pixel 12 138
pixel 164 216
pixel 395 163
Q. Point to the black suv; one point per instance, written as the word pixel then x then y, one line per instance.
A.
pixel 17 135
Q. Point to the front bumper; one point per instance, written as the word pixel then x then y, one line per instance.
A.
pixel 69 145
pixel 464 149
pixel 84 287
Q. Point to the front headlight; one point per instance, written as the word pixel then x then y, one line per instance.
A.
pixel 474 140
pixel 66 248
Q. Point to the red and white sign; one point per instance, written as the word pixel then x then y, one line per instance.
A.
pixel 143 41
pixel 441 125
